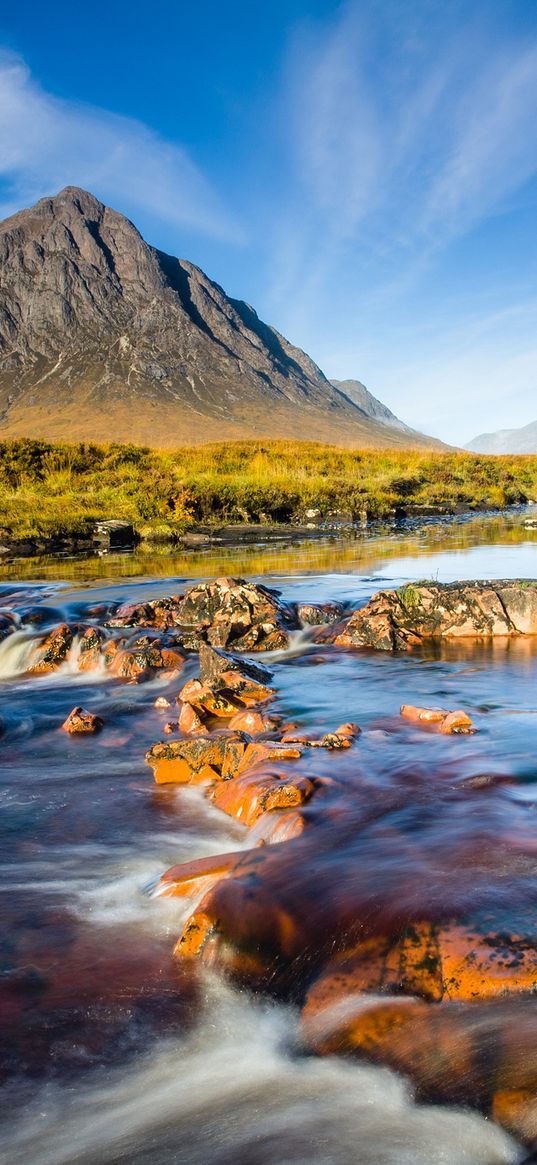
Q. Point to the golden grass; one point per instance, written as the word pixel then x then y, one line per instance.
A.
pixel 62 489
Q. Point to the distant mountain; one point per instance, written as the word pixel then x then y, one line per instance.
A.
pixel 507 441
pixel 103 338
pixel 361 396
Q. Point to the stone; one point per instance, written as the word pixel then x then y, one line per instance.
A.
pixel 53 651
pixel 253 722
pixel 82 723
pixel 483 1054
pixel 114 534
pixel 409 963
pixel 277 826
pixel 214 664
pixel 90 647
pixel 318 614
pixel 190 722
pixel 143 658
pixel 439 719
pixel 482 962
pixel 402 619
pixel 193 878
pixel 516 1110
pixel 229 612
pixel 248 796
pixel 197 759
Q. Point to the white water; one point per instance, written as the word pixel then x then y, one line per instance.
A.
pixel 15 653
pixel 233 1094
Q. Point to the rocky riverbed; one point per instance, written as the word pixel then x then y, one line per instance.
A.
pixel 345 791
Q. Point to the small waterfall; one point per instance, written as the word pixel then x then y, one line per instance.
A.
pixel 15 653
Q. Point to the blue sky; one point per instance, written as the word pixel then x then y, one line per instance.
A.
pixel 365 173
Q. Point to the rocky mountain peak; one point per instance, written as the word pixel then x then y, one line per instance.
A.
pixel 103 336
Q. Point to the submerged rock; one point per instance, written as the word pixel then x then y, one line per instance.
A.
pixel 440 720
pixel 397 620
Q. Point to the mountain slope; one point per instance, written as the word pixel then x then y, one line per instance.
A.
pixel 103 337
pixel 361 396
pixel 507 441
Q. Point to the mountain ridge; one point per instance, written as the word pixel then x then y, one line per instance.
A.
pixel 357 392
pixel 522 440
pixel 103 337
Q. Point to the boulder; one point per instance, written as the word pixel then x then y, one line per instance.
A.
pixel 318 614
pixel 142 658
pixel 211 758
pixel 232 613
pixel 82 723
pixel 189 721
pixel 398 620
pixel 247 797
pixel 484 1054
pixel 53 651
pixel 214 664
pixel 90 649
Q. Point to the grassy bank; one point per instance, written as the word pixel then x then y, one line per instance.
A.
pixel 53 490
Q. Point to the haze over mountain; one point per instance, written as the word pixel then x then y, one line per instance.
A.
pixel 103 337
pixel 522 440
pixel 361 396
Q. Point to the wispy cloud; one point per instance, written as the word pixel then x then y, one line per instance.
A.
pixel 408 128
pixel 47 143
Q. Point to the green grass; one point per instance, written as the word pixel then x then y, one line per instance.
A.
pixel 61 490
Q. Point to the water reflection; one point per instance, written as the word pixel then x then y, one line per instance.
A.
pixel 362 552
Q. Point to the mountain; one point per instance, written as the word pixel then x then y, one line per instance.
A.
pixel 361 396
pixel 103 337
pixel 507 441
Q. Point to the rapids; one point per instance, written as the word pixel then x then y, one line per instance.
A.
pixel 112 1052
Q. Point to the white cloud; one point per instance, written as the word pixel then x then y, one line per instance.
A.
pixel 47 143
pixel 408 127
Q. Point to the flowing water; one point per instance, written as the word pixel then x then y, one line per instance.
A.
pixel 112 1052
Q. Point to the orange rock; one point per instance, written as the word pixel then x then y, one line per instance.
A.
pixel 53 651
pixel 247 797
pixel 409 964
pixel 252 722
pixel 82 723
pixel 335 741
pixel 457 722
pixel 192 878
pixel 170 727
pixel 90 649
pixel 162 702
pixel 477 965
pixel 348 729
pixel 247 691
pixel 516 1111
pixel 479 1053
pixel 260 752
pixel 140 660
pixel 207 701
pixel 428 1043
pixel 426 715
pixel 198 930
pixel 341 738
pixel 190 722
pixel 196 759
pixel 274 827
pixel 241 955
pixel 440 719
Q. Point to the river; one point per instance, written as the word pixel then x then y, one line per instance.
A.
pixel 112 1052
